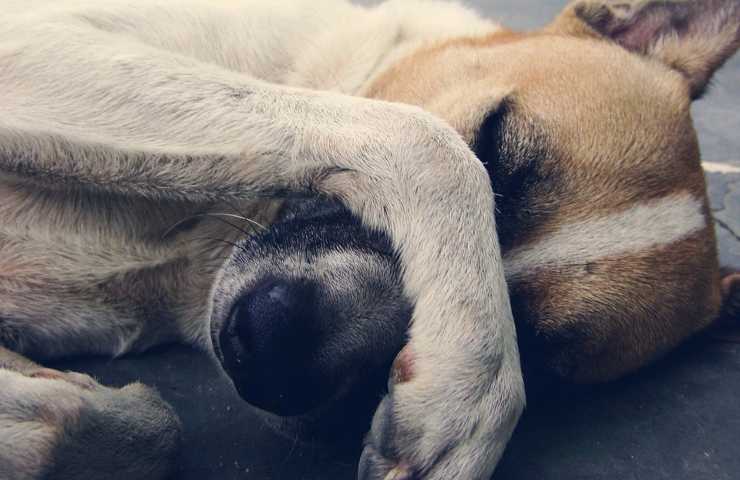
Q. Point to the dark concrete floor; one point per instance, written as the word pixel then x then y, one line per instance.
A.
pixel 677 420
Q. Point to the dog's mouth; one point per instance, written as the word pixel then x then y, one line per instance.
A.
pixel 310 315
pixel 230 351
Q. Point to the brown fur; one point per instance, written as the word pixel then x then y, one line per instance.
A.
pixel 600 321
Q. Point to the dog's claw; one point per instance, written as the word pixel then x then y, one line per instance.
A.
pixel 399 473
pixel 377 464
pixel 380 459
pixel 373 466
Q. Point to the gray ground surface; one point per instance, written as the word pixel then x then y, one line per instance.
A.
pixel 678 420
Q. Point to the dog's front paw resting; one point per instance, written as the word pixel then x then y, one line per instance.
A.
pixel 443 418
pixel 64 426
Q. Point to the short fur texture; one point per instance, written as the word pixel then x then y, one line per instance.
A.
pixel 129 133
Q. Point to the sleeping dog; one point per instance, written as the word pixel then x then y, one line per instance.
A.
pixel 328 197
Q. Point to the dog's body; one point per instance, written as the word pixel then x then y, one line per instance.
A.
pixel 139 142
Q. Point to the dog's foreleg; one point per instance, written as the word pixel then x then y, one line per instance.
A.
pixel 111 115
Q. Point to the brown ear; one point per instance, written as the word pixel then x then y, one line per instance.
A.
pixel 694 37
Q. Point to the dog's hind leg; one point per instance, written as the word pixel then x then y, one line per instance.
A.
pixel 88 431
pixel 64 425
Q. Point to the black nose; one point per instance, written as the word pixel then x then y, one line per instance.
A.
pixel 268 336
pixel 274 318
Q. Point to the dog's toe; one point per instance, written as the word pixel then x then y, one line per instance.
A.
pixel 373 466
pixel 379 459
pixel 79 379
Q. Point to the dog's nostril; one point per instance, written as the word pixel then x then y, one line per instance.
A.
pixel 273 317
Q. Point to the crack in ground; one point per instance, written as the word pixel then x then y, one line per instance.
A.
pixel 726 226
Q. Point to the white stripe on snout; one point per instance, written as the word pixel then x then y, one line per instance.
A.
pixel 639 228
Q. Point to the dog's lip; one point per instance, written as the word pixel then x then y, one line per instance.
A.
pixel 217 346
pixel 221 324
pixel 227 340
pixel 216 329
pixel 214 326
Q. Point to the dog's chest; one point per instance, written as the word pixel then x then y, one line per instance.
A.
pixel 35 210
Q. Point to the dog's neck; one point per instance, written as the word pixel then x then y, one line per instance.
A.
pixel 362 44
pixel 328 45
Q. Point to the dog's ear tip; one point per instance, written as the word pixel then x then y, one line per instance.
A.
pixel 693 37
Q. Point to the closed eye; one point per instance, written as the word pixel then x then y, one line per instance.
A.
pixel 514 149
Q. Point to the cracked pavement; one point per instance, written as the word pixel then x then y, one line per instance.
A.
pixel 724 189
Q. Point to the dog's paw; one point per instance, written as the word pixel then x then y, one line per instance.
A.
pixel 442 420
pixel 65 425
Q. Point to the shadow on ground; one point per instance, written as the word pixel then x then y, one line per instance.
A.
pixel 676 420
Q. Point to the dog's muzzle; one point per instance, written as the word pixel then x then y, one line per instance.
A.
pixel 310 315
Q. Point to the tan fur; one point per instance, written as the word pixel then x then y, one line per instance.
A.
pixel 122 123
pixel 581 89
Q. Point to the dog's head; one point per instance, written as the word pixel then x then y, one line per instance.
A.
pixel 585 128
pixel 602 212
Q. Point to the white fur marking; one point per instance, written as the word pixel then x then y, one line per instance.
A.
pixel 639 228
